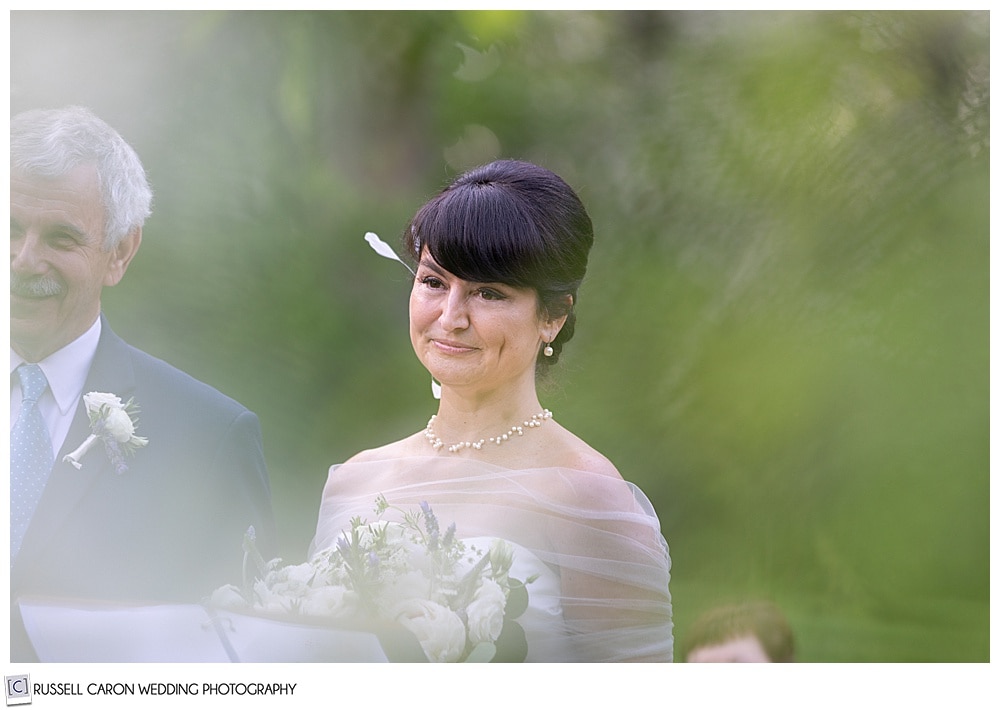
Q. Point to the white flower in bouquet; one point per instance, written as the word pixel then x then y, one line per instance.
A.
pixel 485 612
pixel 330 602
pixel 439 630
pixel 333 602
pixel 280 599
pixel 228 596
pixel 285 588
pixel 294 577
pixel 408 584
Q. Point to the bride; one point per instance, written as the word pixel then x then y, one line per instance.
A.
pixel 500 254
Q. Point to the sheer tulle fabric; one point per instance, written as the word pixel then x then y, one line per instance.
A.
pixel 595 541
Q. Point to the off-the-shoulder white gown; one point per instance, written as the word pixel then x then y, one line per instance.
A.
pixel 594 541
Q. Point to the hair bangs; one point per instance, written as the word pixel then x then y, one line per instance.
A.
pixel 479 234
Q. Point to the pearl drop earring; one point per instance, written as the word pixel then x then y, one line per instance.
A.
pixel 548 350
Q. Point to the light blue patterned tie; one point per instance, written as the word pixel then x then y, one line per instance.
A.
pixel 30 455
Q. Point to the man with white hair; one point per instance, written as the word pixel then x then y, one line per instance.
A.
pixel 139 504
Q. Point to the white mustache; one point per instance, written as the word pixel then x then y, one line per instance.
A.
pixel 34 286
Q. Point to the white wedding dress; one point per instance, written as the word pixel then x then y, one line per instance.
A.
pixel 593 543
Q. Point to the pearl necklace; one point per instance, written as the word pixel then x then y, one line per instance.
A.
pixel 535 421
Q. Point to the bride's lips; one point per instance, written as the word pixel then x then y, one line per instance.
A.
pixel 452 347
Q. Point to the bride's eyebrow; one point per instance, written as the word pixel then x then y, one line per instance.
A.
pixel 433 266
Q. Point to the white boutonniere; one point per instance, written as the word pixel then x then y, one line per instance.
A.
pixel 112 423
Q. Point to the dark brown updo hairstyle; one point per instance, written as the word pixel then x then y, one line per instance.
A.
pixel 514 223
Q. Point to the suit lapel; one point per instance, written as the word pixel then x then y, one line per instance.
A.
pixel 111 371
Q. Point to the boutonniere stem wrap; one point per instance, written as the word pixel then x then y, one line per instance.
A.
pixel 113 424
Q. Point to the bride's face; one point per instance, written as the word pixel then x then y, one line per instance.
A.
pixel 481 334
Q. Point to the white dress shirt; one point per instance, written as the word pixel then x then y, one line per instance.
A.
pixel 66 370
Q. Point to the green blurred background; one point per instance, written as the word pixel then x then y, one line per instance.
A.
pixel 783 335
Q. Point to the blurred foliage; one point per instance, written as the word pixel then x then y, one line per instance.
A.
pixel 783 336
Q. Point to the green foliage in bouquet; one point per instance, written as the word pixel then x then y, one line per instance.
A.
pixel 458 600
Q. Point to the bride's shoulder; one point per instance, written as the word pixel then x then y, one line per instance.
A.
pixel 572 452
pixel 371 469
pixel 595 468
pixel 590 479
pixel 387 452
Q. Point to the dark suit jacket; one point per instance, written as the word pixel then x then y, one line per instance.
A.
pixel 170 528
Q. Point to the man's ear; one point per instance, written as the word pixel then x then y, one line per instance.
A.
pixel 121 256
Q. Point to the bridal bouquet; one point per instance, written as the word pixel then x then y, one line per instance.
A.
pixel 459 601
